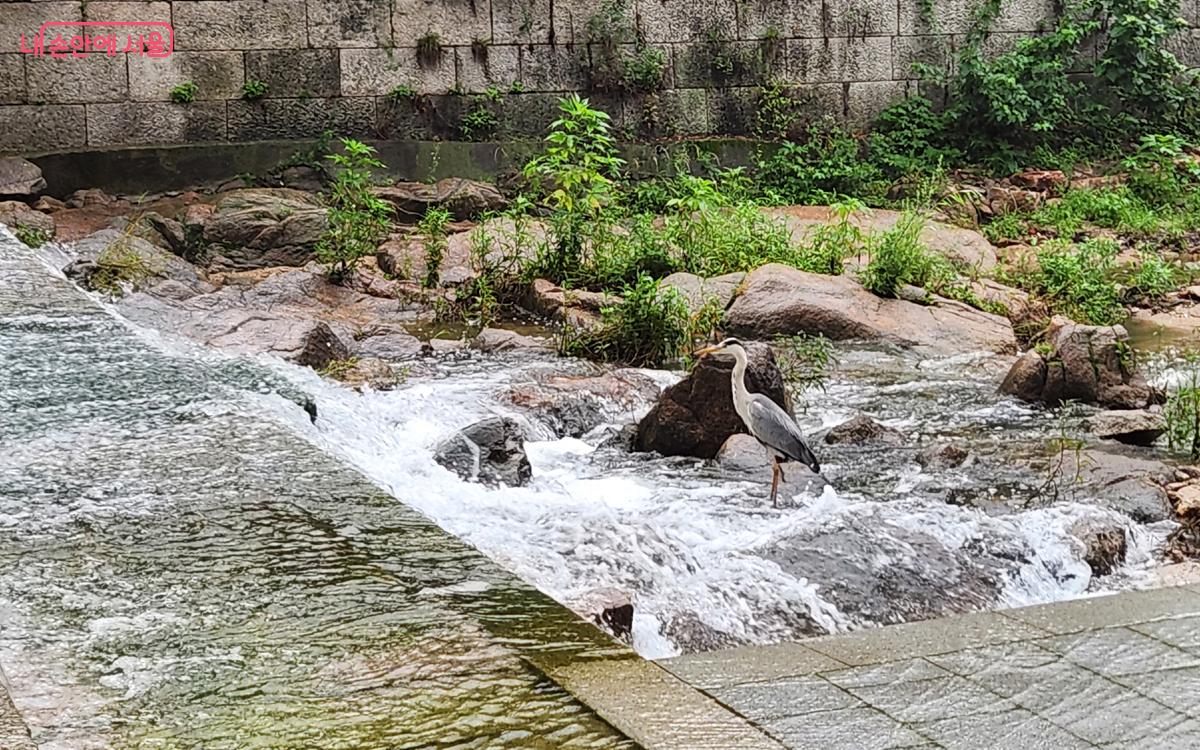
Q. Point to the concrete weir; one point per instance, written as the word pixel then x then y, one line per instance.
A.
pixel 1118 671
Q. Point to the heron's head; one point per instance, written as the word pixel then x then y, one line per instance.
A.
pixel 720 346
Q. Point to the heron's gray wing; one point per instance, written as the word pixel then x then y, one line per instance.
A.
pixel 776 428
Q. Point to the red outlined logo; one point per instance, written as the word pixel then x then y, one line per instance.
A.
pixel 82 44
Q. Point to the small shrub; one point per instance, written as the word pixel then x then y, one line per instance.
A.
pixel 254 90
pixel 899 257
pixel 804 360
pixel 826 248
pixel 825 167
pixel 1154 278
pixel 429 50
pixel 650 326
pixel 31 236
pixel 1160 171
pixel 432 229
pixel 909 138
pixel 717 241
pixel 119 265
pixel 480 122
pixel 185 93
pixel 1078 280
pixel 1182 410
pixel 357 220
pixel 403 92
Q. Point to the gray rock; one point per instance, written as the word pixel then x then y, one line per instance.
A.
pixel 743 457
pixel 778 299
pixel 693 635
pixel 115 263
pixel 698 291
pixel 20 178
pixel 390 344
pixel 312 343
pixel 862 429
pixel 490 452
pixel 1090 364
pixel 264 227
pixel 1132 426
pixel 491 340
pixel 609 609
pixel 1127 484
pixel 942 456
pixel 695 416
pixel 574 405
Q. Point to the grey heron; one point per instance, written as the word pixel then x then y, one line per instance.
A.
pixel 764 419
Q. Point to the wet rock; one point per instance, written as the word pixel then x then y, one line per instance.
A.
pixel 434 347
pixel 779 299
pixel 1186 501
pixel 20 178
pixel 490 452
pixel 609 609
pixel 692 635
pixel 263 227
pixel 464 199
pixel 1132 426
pixel 745 458
pixel 695 416
pixel 880 573
pixel 366 372
pixel 389 343
pixel 312 343
pixel 115 262
pixel 862 429
pixel 1127 484
pixel 942 456
pixel 491 340
pixel 26 222
pixel 698 291
pixel 48 204
pixel 1104 545
pixel 1086 363
pixel 1005 199
pixel 574 405
pixel 550 300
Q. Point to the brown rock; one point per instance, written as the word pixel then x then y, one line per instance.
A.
pixel 48 205
pixel 609 609
pixel 1104 545
pixel 20 218
pixel 502 340
pixel 695 416
pixel 464 199
pixel 1186 501
pixel 1026 379
pixel 573 405
pixel 942 457
pixel 862 429
pixel 1132 426
pixel 778 299
pixel 1006 200
pixel 1052 180
pixel 261 227
pixel 89 198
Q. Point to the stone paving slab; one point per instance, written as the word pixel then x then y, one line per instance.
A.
pixel 1119 671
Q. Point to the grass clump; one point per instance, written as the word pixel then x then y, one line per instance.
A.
pixel 650 326
pixel 31 236
pixel 899 258
pixel 254 90
pixel 432 229
pixel 1078 280
pixel 357 219
pixel 1182 410
pixel 184 93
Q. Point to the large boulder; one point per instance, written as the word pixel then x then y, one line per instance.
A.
pixel 862 429
pixel 1132 426
pixel 778 299
pixel 20 178
pixel 26 223
pixel 698 291
pixel 490 451
pixel 116 263
pixel 464 199
pixel 308 342
pixel 1127 484
pixel 263 227
pixel 695 416
pixel 1085 363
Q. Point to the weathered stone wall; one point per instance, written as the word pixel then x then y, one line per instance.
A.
pixel 353 66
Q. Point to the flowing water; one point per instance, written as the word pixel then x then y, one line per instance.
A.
pixel 178 569
pixel 179 534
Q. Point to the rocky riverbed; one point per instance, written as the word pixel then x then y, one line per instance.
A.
pixel 952 478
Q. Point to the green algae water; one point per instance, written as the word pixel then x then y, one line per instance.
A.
pixel 180 570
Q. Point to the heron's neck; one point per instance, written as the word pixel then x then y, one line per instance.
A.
pixel 738 378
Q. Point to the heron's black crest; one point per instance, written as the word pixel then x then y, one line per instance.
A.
pixel 729 342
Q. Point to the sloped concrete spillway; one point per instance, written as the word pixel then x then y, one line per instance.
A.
pixel 178 571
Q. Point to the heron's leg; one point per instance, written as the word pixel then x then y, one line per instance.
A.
pixel 775 472
pixel 780 465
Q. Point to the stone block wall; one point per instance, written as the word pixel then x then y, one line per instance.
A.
pixel 420 68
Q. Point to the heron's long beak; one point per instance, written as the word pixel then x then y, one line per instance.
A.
pixel 706 350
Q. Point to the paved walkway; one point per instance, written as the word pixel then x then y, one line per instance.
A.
pixel 1113 672
pixel 1118 671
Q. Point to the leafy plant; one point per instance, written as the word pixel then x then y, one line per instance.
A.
pixel 402 92
pixel 1182 410
pixel 826 166
pixel 1160 170
pixel 432 228
pixel 899 257
pixel 826 248
pixel 357 219
pixel 480 121
pixel 1078 279
pixel 254 90
pixel 185 93
pixel 31 236
pixel 804 360
pixel 1154 278
pixel 650 326
pixel 575 172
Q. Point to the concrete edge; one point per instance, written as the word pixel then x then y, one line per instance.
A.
pixel 653 707
pixel 14 733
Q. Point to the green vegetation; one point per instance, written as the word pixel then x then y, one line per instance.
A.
pixel 402 92
pixel 899 257
pixel 254 90
pixel 480 121
pixel 804 361
pixel 432 229
pixel 1182 410
pixel 358 220
pixel 1079 280
pixel 118 265
pixel 648 327
pixel 429 50
pixel 185 93
pixel 32 236
pixel 622 62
